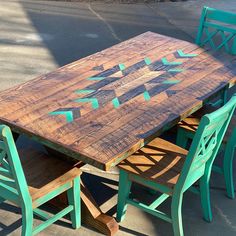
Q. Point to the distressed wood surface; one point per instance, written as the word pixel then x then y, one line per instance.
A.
pixel 59 172
pixel 191 123
pixel 159 161
pixel 104 107
pixel 91 214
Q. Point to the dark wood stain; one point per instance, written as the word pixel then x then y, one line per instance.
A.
pixel 104 136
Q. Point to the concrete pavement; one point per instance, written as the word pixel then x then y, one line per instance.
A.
pixel 39 36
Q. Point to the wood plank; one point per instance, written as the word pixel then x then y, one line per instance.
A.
pixel 106 112
pixel 141 87
pixel 68 105
pixel 191 123
pixel 159 161
pixel 98 137
pixel 149 122
pixel 56 125
pixel 68 92
pixel 92 216
pixel 86 71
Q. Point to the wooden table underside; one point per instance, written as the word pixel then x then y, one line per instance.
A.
pixel 104 107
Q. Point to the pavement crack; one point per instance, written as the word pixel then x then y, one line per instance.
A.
pixel 168 20
pixel 226 219
pixel 109 27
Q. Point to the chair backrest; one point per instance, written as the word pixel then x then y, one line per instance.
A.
pixel 215 22
pixel 206 144
pixel 13 185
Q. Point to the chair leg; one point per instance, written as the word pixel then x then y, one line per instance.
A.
pixel 228 165
pixel 123 194
pixel 176 214
pixel 73 195
pixel 182 139
pixel 205 197
pixel 27 221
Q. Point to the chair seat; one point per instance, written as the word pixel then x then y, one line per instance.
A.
pixel 191 123
pixel 45 173
pixel 159 161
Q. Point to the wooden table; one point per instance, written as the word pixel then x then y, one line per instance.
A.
pixel 104 107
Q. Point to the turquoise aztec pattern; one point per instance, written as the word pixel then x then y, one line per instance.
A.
pixel 97 97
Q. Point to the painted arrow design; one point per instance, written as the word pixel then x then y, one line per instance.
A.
pixel 116 102
pixel 170 63
pixel 185 55
pixel 147 61
pixel 96 78
pixel 171 82
pixel 176 70
pixel 84 91
pixel 121 67
pixel 146 96
pixel 93 101
pixel 69 113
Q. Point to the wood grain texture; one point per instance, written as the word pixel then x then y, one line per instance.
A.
pixel 40 183
pixel 159 161
pixel 60 171
pixel 191 123
pixel 91 214
pixel 104 107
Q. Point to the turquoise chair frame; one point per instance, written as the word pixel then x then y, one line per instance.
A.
pixel 13 187
pixel 197 166
pixel 227 169
pixel 183 136
pixel 215 20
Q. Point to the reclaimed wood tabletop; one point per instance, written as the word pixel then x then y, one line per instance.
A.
pixel 104 107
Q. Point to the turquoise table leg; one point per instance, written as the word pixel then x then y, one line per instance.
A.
pixel 124 190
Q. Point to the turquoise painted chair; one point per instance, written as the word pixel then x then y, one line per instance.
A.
pixel 33 180
pixel 214 19
pixel 215 22
pixel 186 131
pixel 170 169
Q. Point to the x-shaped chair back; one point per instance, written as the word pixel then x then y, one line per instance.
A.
pixel 206 144
pixel 216 23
